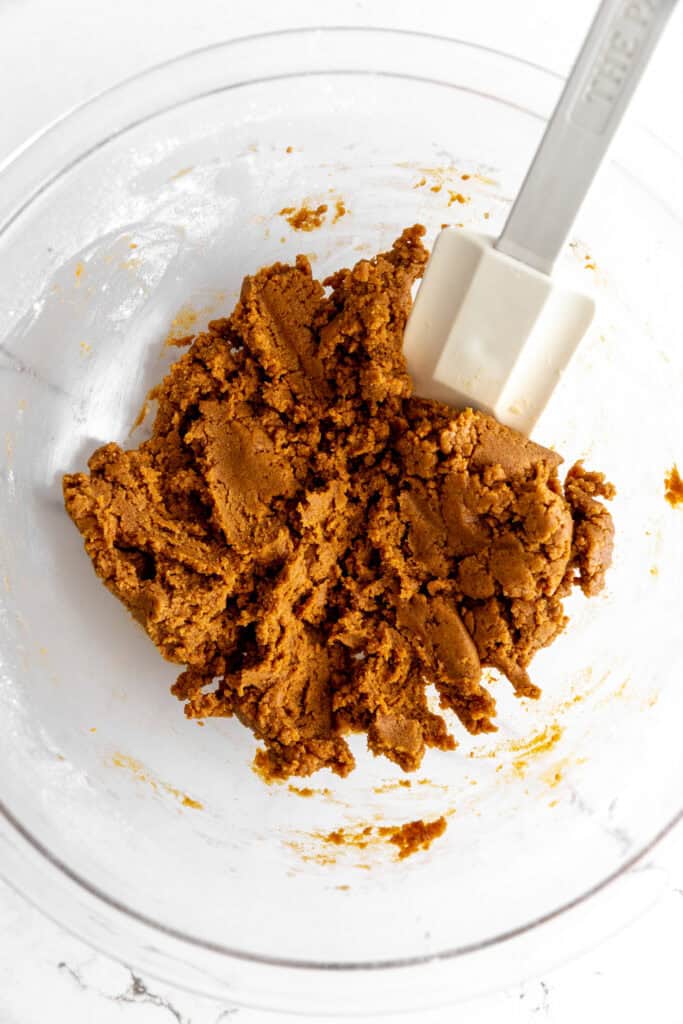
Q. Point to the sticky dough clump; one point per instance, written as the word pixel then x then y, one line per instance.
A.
pixel 316 544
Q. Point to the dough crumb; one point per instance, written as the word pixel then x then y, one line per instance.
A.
pixel 305 218
pixel 340 210
pixel 673 487
pixel 408 838
pixel 314 544
pixel 416 835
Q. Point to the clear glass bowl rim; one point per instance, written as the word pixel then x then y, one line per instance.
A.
pixel 15 171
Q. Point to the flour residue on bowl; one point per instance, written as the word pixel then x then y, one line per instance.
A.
pixel 181 173
pixel 138 770
pixel 182 325
pixel 540 743
pixel 392 786
pixel 556 773
pixel 190 317
pixel 536 745
pixel 308 791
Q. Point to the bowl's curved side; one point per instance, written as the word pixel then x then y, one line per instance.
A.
pixel 139 134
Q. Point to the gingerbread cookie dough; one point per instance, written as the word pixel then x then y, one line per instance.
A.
pixel 316 544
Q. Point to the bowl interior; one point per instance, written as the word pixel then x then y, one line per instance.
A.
pixel 153 230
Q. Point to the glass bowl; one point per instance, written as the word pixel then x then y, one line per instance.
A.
pixel 153 839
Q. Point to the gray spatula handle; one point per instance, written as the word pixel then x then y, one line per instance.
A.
pixel 607 70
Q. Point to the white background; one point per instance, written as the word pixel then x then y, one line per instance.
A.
pixel 55 54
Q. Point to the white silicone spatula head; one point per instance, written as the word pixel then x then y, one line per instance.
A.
pixel 490 327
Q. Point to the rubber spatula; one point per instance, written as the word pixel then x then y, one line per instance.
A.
pixel 491 327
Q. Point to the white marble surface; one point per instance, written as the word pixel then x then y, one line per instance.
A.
pixel 83 46
pixel 47 975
